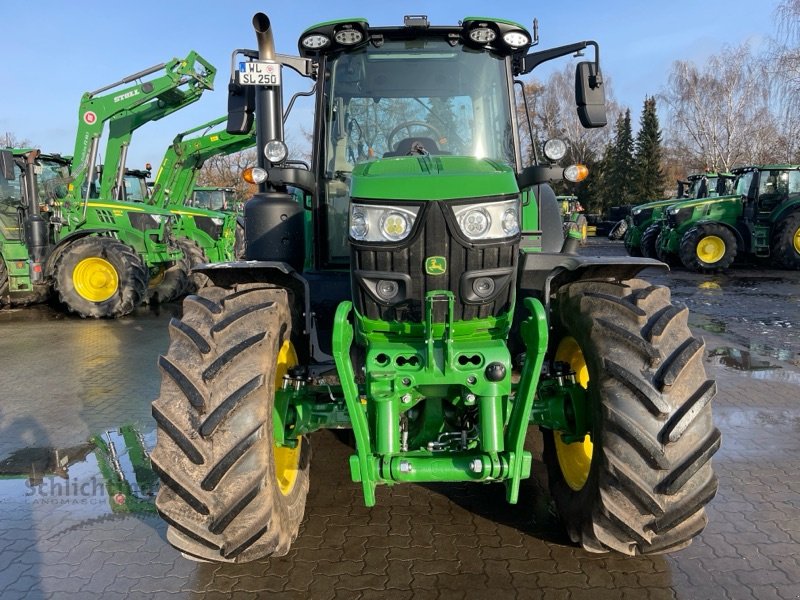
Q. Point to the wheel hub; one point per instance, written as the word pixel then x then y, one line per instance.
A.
pixel 711 249
pixel 575 459
pixel 796 240
pixel 95 279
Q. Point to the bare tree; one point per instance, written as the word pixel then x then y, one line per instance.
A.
pixel 226 171
pixel 551 106
pixel 783 62
pixel 11 140
pixel 720 114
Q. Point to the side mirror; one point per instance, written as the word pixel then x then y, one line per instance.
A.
pixel 241 106
pixel 590 96
pixel 7 165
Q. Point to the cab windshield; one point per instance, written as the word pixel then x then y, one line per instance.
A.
pixel 53 179
pixel 135 189
pixel 415 97
pixel 210 199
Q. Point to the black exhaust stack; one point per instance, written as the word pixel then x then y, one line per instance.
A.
pixel 35 227
pixel 274 222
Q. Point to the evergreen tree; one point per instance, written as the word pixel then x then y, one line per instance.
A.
pixel 649 177
pixel 618 168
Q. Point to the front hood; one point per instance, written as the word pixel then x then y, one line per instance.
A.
pixel 196 212
pixel 705 202
pixel 120 207
pixel 432 178
pixel 655 204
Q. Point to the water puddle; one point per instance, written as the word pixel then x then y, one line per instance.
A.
pixel 745 361
pixel 110 474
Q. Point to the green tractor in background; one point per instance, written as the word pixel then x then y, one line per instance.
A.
pixel 423 294
pixel 97 253
pixel 762 219
pixel 644 222
pixel 92 272
pixel 574 217
pixel 214 235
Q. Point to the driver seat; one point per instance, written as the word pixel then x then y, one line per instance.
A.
pixel 404 146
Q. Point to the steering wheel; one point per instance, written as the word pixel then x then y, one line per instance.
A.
pixel 407 125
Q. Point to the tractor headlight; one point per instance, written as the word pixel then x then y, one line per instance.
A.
pixel 315 41
pixel 555 150
pixel 375 223
pixel 217 221
pixel 275 151
pixel 488 220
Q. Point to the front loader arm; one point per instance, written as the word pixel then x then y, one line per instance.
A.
pixel 181 79
pixel 184 158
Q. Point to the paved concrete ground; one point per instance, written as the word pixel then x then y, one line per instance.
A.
pixel 64 380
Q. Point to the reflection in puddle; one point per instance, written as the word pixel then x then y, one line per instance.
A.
pixel 757 368
pixel 110 474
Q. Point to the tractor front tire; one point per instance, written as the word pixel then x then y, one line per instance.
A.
pixel 193 255
pixel 100 277
pixel 647 245
pixel 639 482
pixel 170 284
pixel 786 242
pixel 618 231
pixel 228 493
pixel 707 248
pixel 239 244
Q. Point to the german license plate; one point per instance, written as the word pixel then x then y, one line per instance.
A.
pixel 259 72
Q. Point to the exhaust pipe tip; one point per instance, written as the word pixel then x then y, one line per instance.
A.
pixel 261 22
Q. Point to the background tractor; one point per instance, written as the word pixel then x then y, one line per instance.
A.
pixel 574 217
pixel 97 253
pixel 422 293
pixel 644 222
pixel 762 219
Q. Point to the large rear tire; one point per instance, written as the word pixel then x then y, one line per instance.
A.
pixel 228 493
pixel 707 248
pixel 639 482
pixel 100 277
pixel 786 242
pixel 647 244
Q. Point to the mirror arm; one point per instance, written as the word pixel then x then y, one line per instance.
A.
pixel 530 61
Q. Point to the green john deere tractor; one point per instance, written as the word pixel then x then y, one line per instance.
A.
pixel 422 293
pixel 644 222
pixel 574 217
pixel 762 219
pixel 46 247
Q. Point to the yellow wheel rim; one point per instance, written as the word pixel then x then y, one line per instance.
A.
pixel 95 279
pixel 584 232
pixel 797 240
pixel 287 460
pixel 711 249
pixel 575 459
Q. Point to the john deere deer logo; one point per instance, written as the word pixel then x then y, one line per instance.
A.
pixel 435 265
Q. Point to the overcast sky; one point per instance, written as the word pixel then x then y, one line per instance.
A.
pixel 58 49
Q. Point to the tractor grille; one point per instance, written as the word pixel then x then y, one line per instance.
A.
pixel 639 219
pixel 404 263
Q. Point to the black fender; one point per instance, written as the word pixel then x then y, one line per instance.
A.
pixel 542 273
pixel 326 290
pixel 55 251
